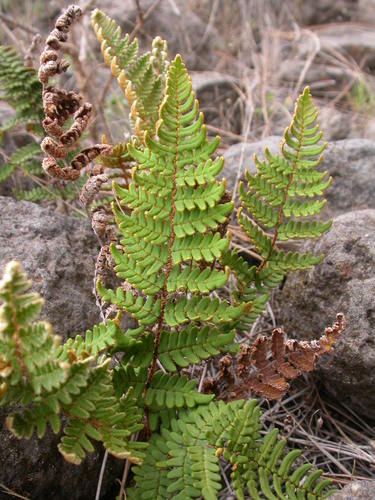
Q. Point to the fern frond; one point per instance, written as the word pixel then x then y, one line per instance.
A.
pixel 160 233
pixel 140 77
pixel 186 458
pixel 22 158
pixel 20 88
pixel 281 202
pixel 180 349
pixel 100 339
pixel 165 391
pixel 48 379
pixel 277 195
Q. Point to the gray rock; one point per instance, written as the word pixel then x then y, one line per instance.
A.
pixel 324 11
pixel 343 282
pixel 335 124
pixel 359 490
pixel 350 162
pixel 34 468
pixel 58 253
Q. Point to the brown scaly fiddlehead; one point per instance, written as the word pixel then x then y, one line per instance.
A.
pixel 59 106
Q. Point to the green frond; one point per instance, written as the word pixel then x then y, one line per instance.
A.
pixel 97 414
pixel 180 349
pixel 194 279
pixel 197 247
pixel 165 391
pixel 284 199
pixel 20 88
pixel 178 312
pixel 152 481
pixel 140 77
pixel 48 379
pixel 146 311
pixel 238 266
pixel 187 454
pixel 101 338
pixel 23 158
pixel 171 217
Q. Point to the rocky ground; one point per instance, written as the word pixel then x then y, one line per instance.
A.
pixel 249 61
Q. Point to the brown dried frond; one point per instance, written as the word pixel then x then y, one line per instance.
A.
pixel 59 106
pixel 52 148
pixel 100 223
pixel 91 188
pixel 81 119
pixel 243 359
pixel 52 168
pixel 87 155
pixel 104 262
pixel 52 127
pixel 226 369
pixel 266 367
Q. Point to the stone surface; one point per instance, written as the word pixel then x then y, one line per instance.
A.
pixel 359 490
pixel 58 253
pixel 343 282
pixel 35 469
pixel 350 162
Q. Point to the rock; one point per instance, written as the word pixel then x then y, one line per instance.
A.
pixel 35 469
pixel 335 124
pixel 343 282
pixel 358 40
pixel 324 11
pixel 359 490
pixel 58 253
pixel 350 162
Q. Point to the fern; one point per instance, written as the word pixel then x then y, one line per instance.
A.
pixel 184 461
pixel 140 77
pixel 21 89
pixel 283 200
pixel 173 258
pixel 50 380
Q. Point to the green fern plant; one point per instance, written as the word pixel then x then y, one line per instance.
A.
pixel 22 90
pixel 283 200
pixel 174 260
pixel 50 380
pixel 183 461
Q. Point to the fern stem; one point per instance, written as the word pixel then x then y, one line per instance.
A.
pixel 168 271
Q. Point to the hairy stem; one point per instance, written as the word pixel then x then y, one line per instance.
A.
pixel 168 271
